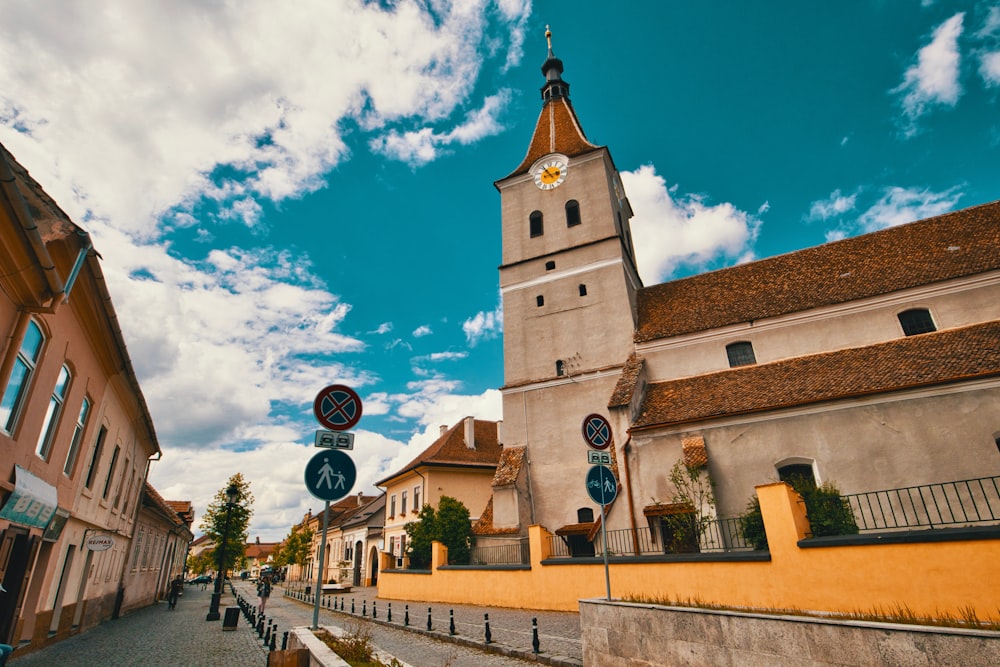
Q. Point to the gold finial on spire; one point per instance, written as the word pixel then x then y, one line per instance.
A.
pixel 548 37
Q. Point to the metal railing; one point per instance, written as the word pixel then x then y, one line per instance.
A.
pixel 718 535
pixel 970 502
pixel 515 553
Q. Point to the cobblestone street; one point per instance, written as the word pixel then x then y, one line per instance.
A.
pixel 155 636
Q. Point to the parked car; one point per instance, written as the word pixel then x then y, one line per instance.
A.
pixel 201 579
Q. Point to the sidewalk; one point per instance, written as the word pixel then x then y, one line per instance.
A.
pixel 155 636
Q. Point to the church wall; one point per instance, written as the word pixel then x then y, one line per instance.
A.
pixel 557 453
pixel 855 324
pixel 884 442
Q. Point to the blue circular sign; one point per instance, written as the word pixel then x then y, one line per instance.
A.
pixel 330 475
pixel 602 485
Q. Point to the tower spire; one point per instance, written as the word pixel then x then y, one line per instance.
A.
pixel 552 69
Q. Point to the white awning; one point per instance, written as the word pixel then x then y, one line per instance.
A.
pixel 33 501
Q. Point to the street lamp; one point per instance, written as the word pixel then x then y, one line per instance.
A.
pixel 232 495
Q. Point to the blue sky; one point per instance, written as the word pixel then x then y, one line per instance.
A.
pixel 286 197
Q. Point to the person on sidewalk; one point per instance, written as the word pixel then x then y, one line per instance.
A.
pixel 176 587
pixel 263 591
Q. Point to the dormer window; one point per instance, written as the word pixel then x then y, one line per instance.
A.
pixel 916 321
pixel 740 354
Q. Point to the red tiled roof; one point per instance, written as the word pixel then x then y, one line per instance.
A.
pixel 557 131
pixel 916 361
pixel 450 450
pixel 949 246
pixel 154 499
pixel 484 526
pixel 625 388
pixel 260 550
pixel 509 466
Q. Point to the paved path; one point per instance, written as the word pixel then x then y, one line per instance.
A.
pixel 155 636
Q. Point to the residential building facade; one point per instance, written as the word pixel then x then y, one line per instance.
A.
pixel 75 433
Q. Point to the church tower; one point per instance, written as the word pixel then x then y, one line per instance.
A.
pixel 568 282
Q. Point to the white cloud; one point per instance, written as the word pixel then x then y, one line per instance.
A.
pixel 934 79
pixel 670 231
pixel 421 146
pixel 989 68
pixel 483 326
pixel 421 331
pixel 836 205
pixel 140 116
pixel 901 205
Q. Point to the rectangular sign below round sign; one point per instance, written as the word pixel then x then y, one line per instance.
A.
pixel 334 439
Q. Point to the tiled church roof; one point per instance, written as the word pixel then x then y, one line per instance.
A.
pixel 949 246
pixel 915 361
pixel 557 131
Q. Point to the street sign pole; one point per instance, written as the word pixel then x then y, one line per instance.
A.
pixel 322 554
pixel 607 572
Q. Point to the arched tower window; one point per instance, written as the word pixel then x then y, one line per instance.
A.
pixel 535 223
pixel 572 213
pixel 740 354
pixel 539 300
pixel 916 321
pixel 583 290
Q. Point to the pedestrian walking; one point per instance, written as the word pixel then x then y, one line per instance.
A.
pixel 264 591
pixel 176 588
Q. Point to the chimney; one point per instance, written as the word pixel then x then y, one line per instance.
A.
pixel 470 432
pixel 258 539
pixel 444 427
pixel 361 498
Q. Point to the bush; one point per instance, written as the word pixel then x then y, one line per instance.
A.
pixel 752 525
pixel 828 512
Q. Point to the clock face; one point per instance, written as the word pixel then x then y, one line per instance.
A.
pixel 550 174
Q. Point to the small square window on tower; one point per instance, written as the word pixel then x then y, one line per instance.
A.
pixel 916 321
pixel 539 300
pixel 740 354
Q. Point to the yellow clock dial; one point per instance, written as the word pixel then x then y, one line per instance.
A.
pixel 550 174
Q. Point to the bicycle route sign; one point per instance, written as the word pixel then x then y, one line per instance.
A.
pixel 337 407
pixel 330 475
pixel 602 485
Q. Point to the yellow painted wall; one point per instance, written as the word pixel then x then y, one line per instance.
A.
pixel 930 578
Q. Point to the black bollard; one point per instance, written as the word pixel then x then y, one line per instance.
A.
pixel 489 637
pixel 364 607
pixel 406 616
pixel 352 605
pixel 534 635
pixel 388 616
pixel 274 639
pixel 260 626
pixel 451 621
pixel 428 619
pixel 267 636
pixel 284 641
pixel 374 611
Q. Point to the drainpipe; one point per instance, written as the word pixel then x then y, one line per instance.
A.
pixel 628 490
pixel 12 199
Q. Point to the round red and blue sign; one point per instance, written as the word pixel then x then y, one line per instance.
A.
pixel 337 407
pixel 597 431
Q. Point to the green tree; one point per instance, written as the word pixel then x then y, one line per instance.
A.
pixel 201 563
pixel 213 523
pixel 450 524
pixel 296 547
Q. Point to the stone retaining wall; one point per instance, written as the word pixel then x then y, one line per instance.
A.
pixel 616 634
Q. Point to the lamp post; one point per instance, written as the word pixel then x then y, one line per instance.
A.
pixel 232 495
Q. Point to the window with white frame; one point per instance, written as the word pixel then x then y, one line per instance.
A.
pixel 20 376
pixel 52 414
pixel 392 505
pixel 74 445
pixel 416 499
pixel 402 504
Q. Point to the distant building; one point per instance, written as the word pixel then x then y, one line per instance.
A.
pixel 258 556
pixel 461 464
pixel 362 534
pixel 75 431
